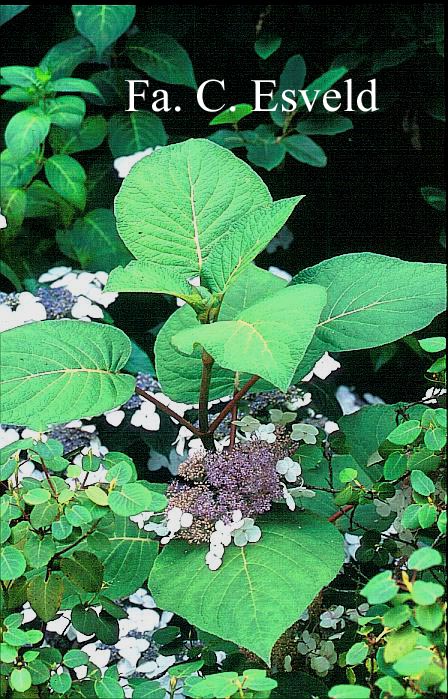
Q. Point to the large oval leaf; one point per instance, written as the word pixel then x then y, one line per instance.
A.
pixel 373 299
pixel 260 590
pixel 176 204
pixel 180 374
pixel 62 370
pixel 269 338
pixel 161 57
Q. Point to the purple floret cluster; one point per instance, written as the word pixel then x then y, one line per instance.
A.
pixel 244 478
pixel 213 487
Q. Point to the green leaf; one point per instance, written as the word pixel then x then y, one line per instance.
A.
pixel 357 653
pixel 374 299
pixel 391 686
pixel 321 85
pixel 324 125
pixel 61 683
pixel 305 150
pixel 23 76
pixel 405 433
pixel 395 466
pixel 435 197
pixel 424 558
pixel 13 205
pixel 45 596
pixel 179 374
pixel 67 177
pixel 268 339
pixel 400 643
pixel 107 629
pixel 193 191
pixel 7 653
pixel 18 173
pixel 349 691
pixel 66 112
pixel 243 242
pixel 97 495
pixel 433 344
pixel 109 688
pixel 113 86
pixel 242 596
pixel 423 459
pixel 73 85
pixel 62 370
pixel 397 616
pixel 435 439
pixel 20 679
pixel 26 131
pixel 78 515
pixel 38 551
pixel 44 514
pixel 381 588
pixel 429 617
pixel 84 620
pixel 421 483
pixel 134 498
pixel 103 24
pixel 426 593
pixel 292 78
pixel 90 135
pixel 264 148
pixel 232 115
pixel 137 131
pixel 414 663
pixel 36 496
pixel 266 45
pixel 84 570
pixel 75 658
pixel 161 57
pixel 149 690
pixel 62 59
pixel 93 241
pixel 8 12
pixel 12 563
pixel 148 277
pixel 129 558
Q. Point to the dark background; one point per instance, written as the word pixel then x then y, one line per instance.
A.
pixel 368 196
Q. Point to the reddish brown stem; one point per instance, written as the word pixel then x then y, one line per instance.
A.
pixel 48 477
pixel 229 407
pixel 340 513
pixel 168 411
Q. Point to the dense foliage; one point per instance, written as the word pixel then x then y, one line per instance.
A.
pixel 301 551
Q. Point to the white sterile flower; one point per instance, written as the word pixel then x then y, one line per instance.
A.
pixel 186 520
pixel 323 368
pixel 213 561
pixel 301 491
pixel 288 468
pixel 3 223
pixel 124 163
pixel 266 433
pixel 280 273
pixel 248 424
pixel 84 309
pixel 304 432
pixel 146 417
pixel 8 436
pixel 183 436
pixel 115 417
pixel 299 401
pixel 347 400
pixel 98 656
pixel 331 427
pixel 144 619
pixel 290 502
pixel 247 533
pixel 53 274
pixel 351 545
